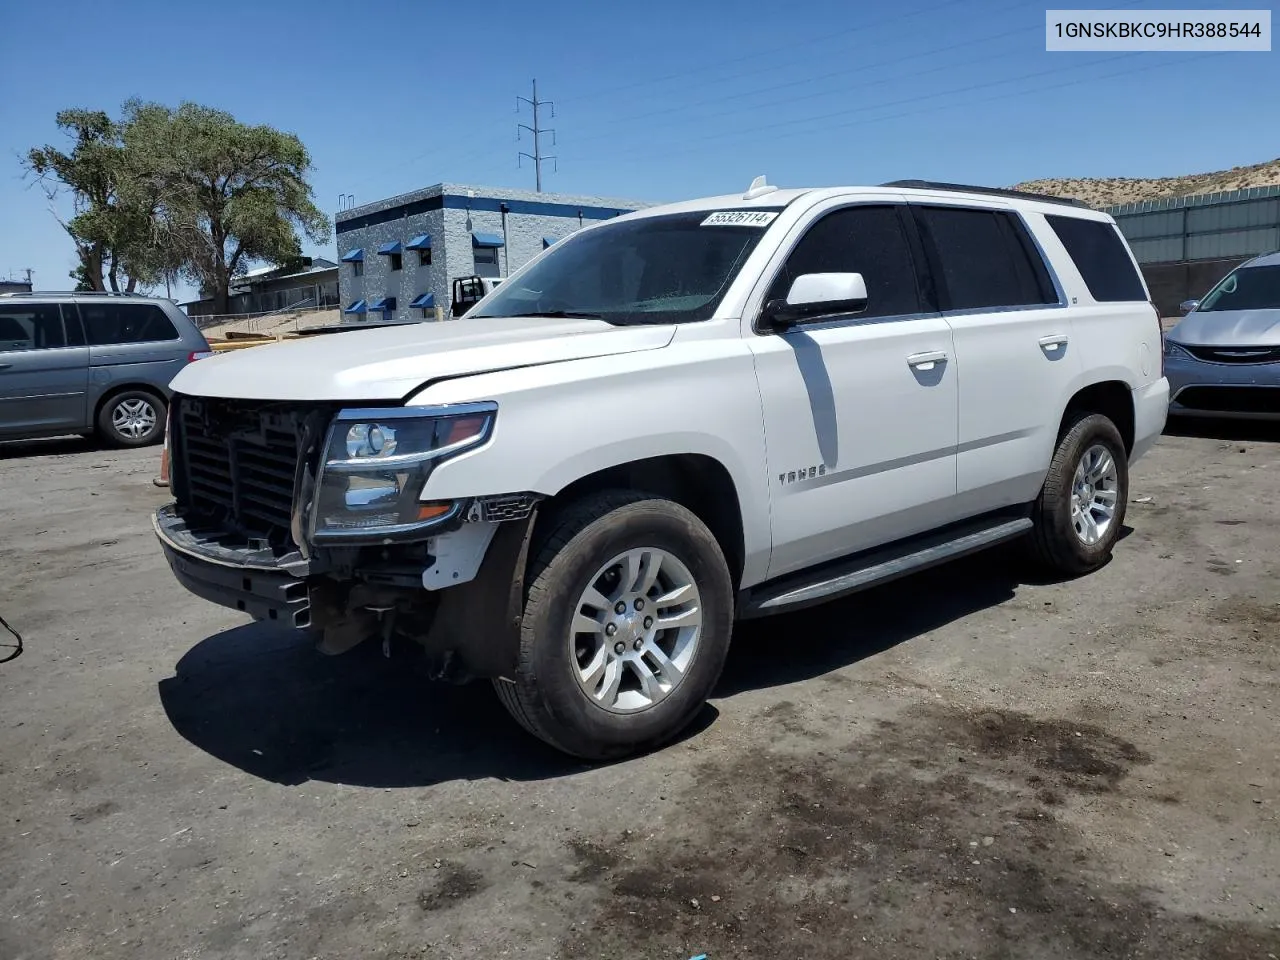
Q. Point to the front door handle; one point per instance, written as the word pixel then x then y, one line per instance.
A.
pixel 927 361
pixel 5 366
pixel 1053 344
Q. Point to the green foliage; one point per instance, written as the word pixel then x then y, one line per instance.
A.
pixel 187 191
pixel 81 277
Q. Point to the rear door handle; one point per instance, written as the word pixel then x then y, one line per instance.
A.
pixel 1053 344
pixel 928 360
pixel 5 366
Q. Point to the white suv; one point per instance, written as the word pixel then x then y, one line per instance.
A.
pixel 682 417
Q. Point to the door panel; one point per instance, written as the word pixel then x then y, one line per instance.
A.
pixel 861 443
pixel 1010 401
pixel 859 409
pixel 1013 345
pixel 42 381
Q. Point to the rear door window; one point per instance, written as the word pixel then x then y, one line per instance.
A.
pixel 1101 257
pixel 869 240
pixel 110 324
pixel 30 326
pixel 983 259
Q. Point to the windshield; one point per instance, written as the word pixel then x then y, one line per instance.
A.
pixel 665 269
pixel 1250 288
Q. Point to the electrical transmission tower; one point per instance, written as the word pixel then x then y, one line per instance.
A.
pixel 537 130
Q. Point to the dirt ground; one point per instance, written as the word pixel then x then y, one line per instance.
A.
pixel 966 764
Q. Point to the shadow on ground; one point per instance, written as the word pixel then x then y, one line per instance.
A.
pixel 266 702
pixel 1245 431
pixel 51 447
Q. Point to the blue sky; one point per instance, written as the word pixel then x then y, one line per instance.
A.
pixel 660 101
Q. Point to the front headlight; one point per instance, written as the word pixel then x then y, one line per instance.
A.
pixel 376 463
pixel 1172 349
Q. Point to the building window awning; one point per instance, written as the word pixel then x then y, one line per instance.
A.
pixel 355 255
pixel 390 248
pixel 421 242
pixel 488 240
pixel 424 301
pixel 358 307
pixel 383 303
pixel 548 241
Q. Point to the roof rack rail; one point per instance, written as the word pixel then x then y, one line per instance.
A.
pixel 994 191
pixel 75 293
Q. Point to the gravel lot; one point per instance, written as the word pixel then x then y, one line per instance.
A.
pixel 968 763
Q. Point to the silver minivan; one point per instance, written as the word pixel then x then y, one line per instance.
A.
pixel 91 363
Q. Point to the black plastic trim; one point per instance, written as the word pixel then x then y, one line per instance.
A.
pixel 986 191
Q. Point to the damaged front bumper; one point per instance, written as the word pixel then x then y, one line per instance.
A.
pixel 253 581
pixel 460 596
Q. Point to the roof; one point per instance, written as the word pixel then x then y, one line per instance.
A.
pixel 483 194
pixel 86 294
pixel 1265 260
pixel 779 198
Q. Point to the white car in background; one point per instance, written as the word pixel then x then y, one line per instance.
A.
pixel 670 421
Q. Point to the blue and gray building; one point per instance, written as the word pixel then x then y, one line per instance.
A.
pixel 400 256
pixel 1187 244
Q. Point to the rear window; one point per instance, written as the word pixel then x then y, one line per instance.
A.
pixel 108 324
pixel 1101 257
pixel 985 258
pixel 30 326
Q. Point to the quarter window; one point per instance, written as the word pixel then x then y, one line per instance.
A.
pixel 869 240
pixel 35 326
pixel 984 259
pixel 107 324
pixel 1101 258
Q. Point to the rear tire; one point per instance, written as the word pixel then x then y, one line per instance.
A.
pixel 1081 507
pixel 604 678
pixel 133 418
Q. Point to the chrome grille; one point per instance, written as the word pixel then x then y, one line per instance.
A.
pixel 234 465
pixel 1235 354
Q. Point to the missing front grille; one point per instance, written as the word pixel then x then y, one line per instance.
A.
pixel 238 466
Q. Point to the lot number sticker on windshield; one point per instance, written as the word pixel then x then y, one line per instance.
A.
pixel 740 218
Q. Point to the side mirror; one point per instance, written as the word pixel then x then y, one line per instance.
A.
pixel 815 295
pixel 1186 306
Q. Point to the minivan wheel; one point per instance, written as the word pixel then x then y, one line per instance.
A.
pixel 625 628
pixel 134 418
pixel 1081 507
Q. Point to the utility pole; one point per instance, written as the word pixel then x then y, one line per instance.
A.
pixel 537 130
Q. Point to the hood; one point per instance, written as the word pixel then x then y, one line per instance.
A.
pixel 392 362
pixel 1229 328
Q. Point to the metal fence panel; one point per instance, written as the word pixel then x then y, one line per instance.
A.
pixel 1146 225
pixel 1236 243
pixel 1159 250
pixel 1234 216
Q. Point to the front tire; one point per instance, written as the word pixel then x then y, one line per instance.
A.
pixel 1081 506
pixel 134 418
pixel 625 628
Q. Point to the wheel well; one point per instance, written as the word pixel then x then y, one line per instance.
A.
pixel 1113 399
pixel 116 390
pixel 698 483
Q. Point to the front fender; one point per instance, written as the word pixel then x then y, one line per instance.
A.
pixel 560 423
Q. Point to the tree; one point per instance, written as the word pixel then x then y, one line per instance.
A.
pixel 164 192
pixel 81 277
pixel 109 226
pixel 228 194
